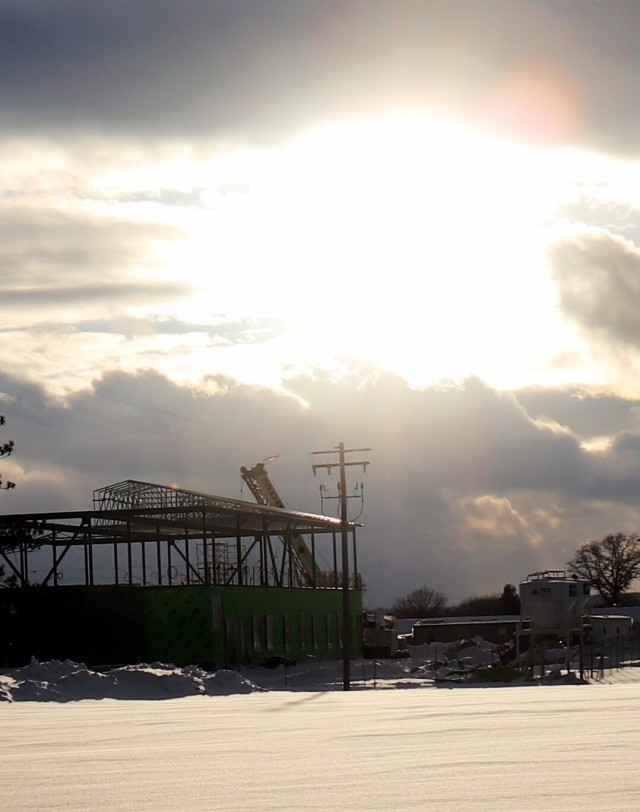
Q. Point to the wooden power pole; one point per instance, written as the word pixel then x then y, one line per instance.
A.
pixel 342 465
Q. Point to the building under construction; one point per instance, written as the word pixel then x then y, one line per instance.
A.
pixel 157 573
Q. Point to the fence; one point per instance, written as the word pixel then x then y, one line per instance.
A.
pixel 619 651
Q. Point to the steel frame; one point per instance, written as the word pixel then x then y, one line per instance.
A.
pixel 160 535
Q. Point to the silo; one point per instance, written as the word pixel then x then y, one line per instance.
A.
pixel 553 601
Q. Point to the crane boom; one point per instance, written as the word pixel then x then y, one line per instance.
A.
pixel 265 493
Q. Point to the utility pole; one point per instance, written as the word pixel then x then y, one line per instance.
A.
pixel 342 464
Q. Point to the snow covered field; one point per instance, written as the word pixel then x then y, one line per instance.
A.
pixel 529 747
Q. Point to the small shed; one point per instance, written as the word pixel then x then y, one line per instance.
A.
pixel 605 628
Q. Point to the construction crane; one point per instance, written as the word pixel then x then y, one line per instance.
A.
pixel 264 493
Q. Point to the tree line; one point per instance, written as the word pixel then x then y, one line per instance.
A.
pixel 427 602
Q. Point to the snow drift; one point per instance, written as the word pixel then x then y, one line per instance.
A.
pixel 64 681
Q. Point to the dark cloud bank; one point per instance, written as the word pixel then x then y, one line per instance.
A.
pixel 259 68
pixel 468 488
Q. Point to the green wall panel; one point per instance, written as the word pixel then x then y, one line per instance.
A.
pixel 219 626
pixel 210 626
pixel 178 625
pixel 289 622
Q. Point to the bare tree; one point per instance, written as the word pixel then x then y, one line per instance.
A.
pixel 422 602
pixel 611 565
pixel 5 451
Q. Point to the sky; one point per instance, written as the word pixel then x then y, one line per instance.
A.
pixel 239 229
pixel 536 747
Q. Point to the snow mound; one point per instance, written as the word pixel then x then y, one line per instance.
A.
pixel 67 681
pixel 463 663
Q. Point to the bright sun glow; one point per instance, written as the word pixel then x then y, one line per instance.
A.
pixel 407 241
pixel 414 227
pixel 410 242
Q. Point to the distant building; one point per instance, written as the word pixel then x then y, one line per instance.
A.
pixel 554 603
pixel 495 629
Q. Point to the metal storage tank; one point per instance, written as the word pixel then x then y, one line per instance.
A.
pixel 554 601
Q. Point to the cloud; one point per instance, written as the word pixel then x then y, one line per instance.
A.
pixel 58 269
pixel 587 413
pixel 598 281
pixel 218 331
pixel 39 247
pixel 465 490
pixel 168 197
pixel 134 293
pixel 599 208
